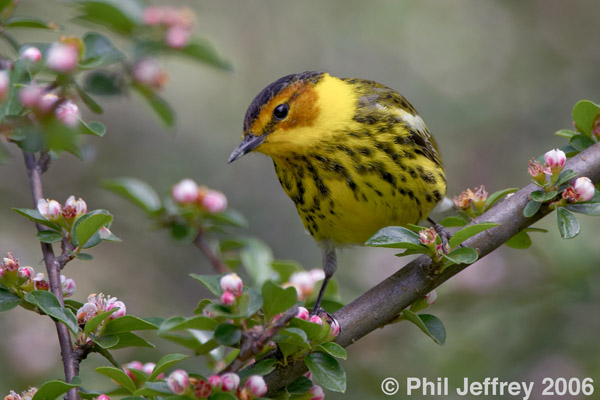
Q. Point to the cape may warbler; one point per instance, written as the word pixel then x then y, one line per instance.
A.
pixel 352 154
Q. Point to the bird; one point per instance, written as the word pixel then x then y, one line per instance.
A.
pixel 352 154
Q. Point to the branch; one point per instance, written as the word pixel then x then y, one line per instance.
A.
pixel 384 302
pixel 218 265
pixel 53 267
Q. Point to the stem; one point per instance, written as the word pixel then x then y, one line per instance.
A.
pixel 53 267
pixel 384 302
pixel 218 265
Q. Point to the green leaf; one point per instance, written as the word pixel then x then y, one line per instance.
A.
pixel 291 335
pixel 566 133
pixel 119 376
pixel 49 304
pixel 204 52
pixel 102 83
pixel 396 237
pixel 211 282
pixel 137 191
pixel 120 16
pixel 257 257
pixel 494 197
pixel 29 22
pixel 453 221
pixel 326 371
pixel 461 255
pixel 311 329
pixel 262 368
pixel 277 299
pixel 228 334
pixel 99 51
pixel 84 256
pixel 153 389
pixel 199 322
pixel 299 386
pixel 429 324
pixel 469 231
pixel 334 349
pixel 49 236
pixel 568 226
pixel 219 396
pixel 8 301
pixel 128 323
pixel 60 137
pixel 565 176
pixel 160 106
pixel 92 105
pixel 35 216
pixel 531 208
pixel 165 363
pixel 88 224
pixel 5 3
pixel 52 390
pixel 229 217
pixel 581 142
pixel 520 241
pixel 128 339
pixel 584 114
pixel 542 197
pixel 285 269
pixel 93 323
pixel 585 208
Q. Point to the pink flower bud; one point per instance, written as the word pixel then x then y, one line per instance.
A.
pixel 214 202
pixel 334 327
pixel 308 375
pixel 428 236
pixel 74 208
pixel 4 85
pixel 48 103
pixel 431 297
pixel 480 197
pixel 303 282
pixel 10 262
pixel 137 365
pixel 68 113
pixel 202 389
pixel 185 192
pixel 303 313
pixel 536 171
pixel 232 283
pixel 86 312
pixel 215 381
pixel 316 319
pixel 555 160
pixel 148 368
pixel 152 15
pixel 32 53
pixel 463 201
pixel 116 304
pixel 231 381
pixel 149 73
pixel 317 274
pixel 30 96
pixel 42 285
pixel 26 272
pixel 178 381
pixel 50 209
pixel 227 298
pixel 29 393
pixel 177 37
pixel 104 233
pixel 569 195
pixel 68 286
pixel 584 188
pixel 62 57
pixel 256 386
pixel 103 397
pixel 316 393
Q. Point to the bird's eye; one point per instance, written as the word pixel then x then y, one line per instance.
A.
pixel 281 111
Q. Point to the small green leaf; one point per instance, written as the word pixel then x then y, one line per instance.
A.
pixel 334 349
pixel 584 114
pixel 429 324
pixel 395 237
pixel 199 322
pixel 88 224
pixel 229 217
pixel 453 221
pixel 469 231
pixel 102 83
pixel 542 197
pixel 99 51
pixel 217 396
pixel 89 102
pixel 291 335
pixel 204 52
pixel 262 368
pixel 311 329
pixel 285 269
pixel 165 363
pixel 299 386
pixel 566 133
pixel 211 282
pixel 84 256
pixel 581 142
pixel 49 304
pixel 256 256
pixel 35 216
pixel 93 128
pixel 93 323
pixel 520 241
pixel 128 339
pixel 119 376
pixel 49 236
pixel 326 371
pixel 228 334
pixel 8 301
pixel 52 390
pixel 128 323
pixel 277 299
pixel 106 341
pixel 461 255
pixel 121 17
pixel 137 191
pixel 494 197
pixel 531 208
pixel 585 208
pixel 568 226
pixel 29 22
pixel 153 389
pixel 565 176
pixel 160 106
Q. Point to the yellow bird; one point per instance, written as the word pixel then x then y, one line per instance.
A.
pixel 353 155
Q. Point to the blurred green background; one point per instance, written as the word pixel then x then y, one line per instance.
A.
pixel 492 79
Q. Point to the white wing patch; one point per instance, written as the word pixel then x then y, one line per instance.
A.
pixel 414 122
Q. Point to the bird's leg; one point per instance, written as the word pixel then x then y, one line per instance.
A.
pixel 329 267
pixel 444 234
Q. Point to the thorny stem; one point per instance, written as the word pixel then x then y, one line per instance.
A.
pixel 382 303
pixel 53 267
pixel 218 265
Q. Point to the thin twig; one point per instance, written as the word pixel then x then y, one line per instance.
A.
pixel 385 301
pixel 219 266
pixel 53 266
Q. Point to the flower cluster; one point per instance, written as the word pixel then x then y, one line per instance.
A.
pixel 26 395
pixel 148 73
pixel 180 383
pixel 188 193
pixel 321 319
pixel 45 105
pixel 305 282
pixel 316 392
pixel 176 24
pixel 100 303
pixel 473 201
pixel 20 279
pixel 430 238
pixel 582 190
pixel 138 366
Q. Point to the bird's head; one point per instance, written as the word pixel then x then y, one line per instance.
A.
pixel 294 113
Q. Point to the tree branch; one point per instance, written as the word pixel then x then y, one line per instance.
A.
pixel 218 265
pixel 385 301
pixel 53 267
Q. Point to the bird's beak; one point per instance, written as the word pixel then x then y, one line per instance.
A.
pixel 249 143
